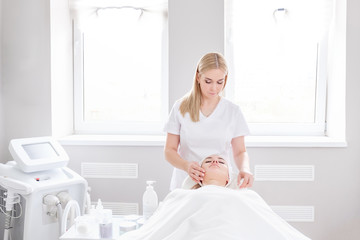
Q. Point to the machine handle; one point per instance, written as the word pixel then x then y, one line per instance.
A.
pixel 15 186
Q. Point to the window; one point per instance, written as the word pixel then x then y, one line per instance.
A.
pixel 278 55
pixel 120 66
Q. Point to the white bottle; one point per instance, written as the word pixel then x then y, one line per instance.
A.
pixel 105 225
pixel 150 201
pixel 99 207
pixel 104 219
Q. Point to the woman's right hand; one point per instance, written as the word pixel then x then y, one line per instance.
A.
pixel 195 171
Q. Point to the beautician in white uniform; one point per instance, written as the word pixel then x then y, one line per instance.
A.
pixel 203 123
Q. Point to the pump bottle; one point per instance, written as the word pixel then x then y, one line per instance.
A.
pixel 150 200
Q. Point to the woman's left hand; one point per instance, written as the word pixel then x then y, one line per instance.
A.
pixel 248 179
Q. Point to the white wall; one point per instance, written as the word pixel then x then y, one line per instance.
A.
pixel 195 28
pixel 26 69
pixel 2 149
pixel 37 69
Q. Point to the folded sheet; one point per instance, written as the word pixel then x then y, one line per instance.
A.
pixel 213 212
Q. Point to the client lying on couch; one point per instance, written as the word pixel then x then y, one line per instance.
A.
pixel 217 209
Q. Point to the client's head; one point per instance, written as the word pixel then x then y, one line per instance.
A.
pixel 216 171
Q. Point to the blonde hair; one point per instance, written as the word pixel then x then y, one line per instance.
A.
pixel 192 101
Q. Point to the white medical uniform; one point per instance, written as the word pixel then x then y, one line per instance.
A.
pixel 210 135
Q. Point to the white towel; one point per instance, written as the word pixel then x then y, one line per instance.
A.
pixel 213 212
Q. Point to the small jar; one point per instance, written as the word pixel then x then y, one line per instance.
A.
pixel 132 218
pixel 126 226
pixel 140 222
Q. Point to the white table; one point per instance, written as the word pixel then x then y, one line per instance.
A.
pixel 72 234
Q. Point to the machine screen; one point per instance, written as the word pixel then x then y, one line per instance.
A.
pixel 40 150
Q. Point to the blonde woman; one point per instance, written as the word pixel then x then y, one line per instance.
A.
pixel 203 122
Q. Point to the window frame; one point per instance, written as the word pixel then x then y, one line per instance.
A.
pixel 318 128
pixel 114 127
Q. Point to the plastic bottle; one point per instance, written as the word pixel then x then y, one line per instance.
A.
pixel 150 200
pixel 104 219
pixel 105 225
pixel 99 207
pixel 97 212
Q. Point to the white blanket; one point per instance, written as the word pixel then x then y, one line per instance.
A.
pixel 213 212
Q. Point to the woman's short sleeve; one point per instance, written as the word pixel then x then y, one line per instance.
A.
pixel 173 124
pixel 240 125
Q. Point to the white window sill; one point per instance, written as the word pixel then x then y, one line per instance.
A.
pixel 294 141
pixel 159 140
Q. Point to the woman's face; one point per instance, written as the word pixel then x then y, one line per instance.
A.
pixel 211 82
pixel 216 168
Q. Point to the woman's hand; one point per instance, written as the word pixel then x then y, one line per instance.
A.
pixel 195 171
pixel 247 177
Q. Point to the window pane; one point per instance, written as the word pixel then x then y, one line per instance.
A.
pixel 276 81
pixel 123 67
pixel 274 57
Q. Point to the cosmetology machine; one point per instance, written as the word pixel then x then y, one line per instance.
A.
pixel 39 195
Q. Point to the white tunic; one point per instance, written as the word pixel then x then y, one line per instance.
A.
pixel 211 135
